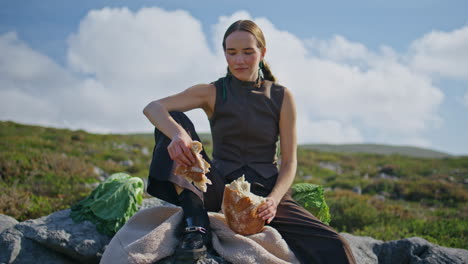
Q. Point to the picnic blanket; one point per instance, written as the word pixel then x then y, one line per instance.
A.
pixel 150 235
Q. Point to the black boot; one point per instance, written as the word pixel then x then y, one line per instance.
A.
pixel 196 234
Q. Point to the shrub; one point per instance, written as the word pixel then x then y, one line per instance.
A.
pixel 350 211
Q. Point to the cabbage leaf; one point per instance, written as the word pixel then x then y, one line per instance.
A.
pixel 111 204
pixel 311 197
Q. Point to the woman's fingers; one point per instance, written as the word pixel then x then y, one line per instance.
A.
pixel 262 209
pixel 268 217
pixel 189 155
pixel 267 211
pixel 180 153
pixel 181 157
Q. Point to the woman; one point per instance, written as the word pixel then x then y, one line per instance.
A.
pixel 247 112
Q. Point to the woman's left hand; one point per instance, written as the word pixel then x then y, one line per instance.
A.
pixel 267 211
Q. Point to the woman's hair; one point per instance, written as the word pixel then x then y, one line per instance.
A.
pixel 252 28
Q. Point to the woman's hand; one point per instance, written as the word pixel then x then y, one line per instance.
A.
pixel 267 211
pixel 180 150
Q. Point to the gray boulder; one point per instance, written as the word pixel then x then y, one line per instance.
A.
pixel 362 248
pixel 413 250
pixel 6 222
pixel 154 202
pixel 17 249
pixel 57 239
pixel 56 234
pixel 418 251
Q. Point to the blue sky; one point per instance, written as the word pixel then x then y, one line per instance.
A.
pixel 392 72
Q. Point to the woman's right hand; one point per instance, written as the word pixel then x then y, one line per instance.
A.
pixel 180 150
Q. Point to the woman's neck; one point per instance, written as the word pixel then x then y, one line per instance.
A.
pixel 253 78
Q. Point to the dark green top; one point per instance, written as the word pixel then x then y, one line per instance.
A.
pixel 245 125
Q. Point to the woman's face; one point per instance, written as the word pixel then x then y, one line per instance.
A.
pixel 243 55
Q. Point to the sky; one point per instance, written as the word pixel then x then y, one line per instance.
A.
pixel 388 72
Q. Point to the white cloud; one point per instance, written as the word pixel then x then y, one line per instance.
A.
pixel 22 107
pixel 36 90
pixel 339 49
pixel 150 45
pixel 139 57
pixel 442 53
pixel 119 60
pixel 376 89
pixel 28 83
pixel 329 131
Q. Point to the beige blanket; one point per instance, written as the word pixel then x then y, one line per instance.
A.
pixel 150 236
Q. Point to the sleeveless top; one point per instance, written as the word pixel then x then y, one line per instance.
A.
pixel 245 126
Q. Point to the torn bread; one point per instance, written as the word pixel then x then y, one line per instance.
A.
pixel 240 208
pixel 196 173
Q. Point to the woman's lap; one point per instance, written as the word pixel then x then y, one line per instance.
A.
pixel 311 240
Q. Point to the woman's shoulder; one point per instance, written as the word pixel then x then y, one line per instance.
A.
pixel 280 93
pixel 202 87
pixel 219 81
pixel 276 85
pixel 276 88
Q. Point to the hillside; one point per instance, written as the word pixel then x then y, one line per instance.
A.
pixel 388 197
pixel 378 149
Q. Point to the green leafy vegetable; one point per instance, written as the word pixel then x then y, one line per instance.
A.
pixel 111 204
pixel 310 196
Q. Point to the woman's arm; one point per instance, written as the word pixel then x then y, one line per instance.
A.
pixel 198 96
pixel 288 143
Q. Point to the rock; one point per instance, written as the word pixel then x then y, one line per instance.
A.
pixel 386 176
pixel 413 250
pixel 145 151
pixel 331 166
pixel 417 250
pixel 123 146
pixel 6 222
pixel 58 232
pixel 102 175
pixel 15 248
pixel 362 248
pixel 357 189
pixel 152 202
pixel 378 197
pixel 91 186
pixel 57 239
pixel 127 163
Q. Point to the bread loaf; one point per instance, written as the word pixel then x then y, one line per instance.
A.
pixel 240 208
pixel 196 173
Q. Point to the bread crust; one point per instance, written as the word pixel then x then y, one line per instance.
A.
pixel 196 173
pixel 241 213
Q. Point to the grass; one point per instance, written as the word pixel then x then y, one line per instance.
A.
pixel 43 170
